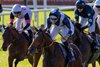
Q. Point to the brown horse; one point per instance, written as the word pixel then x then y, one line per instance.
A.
pixel 84 44
pixel 53 52
pixel 18 47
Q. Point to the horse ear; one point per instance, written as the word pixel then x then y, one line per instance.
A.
pixel 35 28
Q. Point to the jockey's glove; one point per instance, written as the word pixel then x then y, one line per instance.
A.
pixel 11 24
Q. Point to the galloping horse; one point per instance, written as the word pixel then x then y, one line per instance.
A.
pixel 84 44
pixel 18 47
pixel 53 52
pixel 97 31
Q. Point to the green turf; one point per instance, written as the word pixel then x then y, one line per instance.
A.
pixel 24 63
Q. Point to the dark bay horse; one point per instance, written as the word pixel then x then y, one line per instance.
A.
pixel 52 51
pixel 84 44
pixel 18 47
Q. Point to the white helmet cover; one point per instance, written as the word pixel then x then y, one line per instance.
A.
pixel 97 3
pixel 16 8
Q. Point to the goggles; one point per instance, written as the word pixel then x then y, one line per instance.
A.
pixel 53 18
pixel 97 6
pixel 80 7
pixel 17 12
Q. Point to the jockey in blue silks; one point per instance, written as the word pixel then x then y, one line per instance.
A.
pixel 86 13
pixel 61 22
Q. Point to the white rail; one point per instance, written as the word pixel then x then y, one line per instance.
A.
pixel 38 10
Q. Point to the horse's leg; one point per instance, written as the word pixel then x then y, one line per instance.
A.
pixel 10 61
pixel 16 61
pixel 36 59
pixel 30 59
pixel 94 64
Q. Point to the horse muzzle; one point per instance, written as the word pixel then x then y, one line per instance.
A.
pixel 4 48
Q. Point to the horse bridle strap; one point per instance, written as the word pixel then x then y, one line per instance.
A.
pixel 50 44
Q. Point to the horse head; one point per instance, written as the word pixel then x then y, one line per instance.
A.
pixel 40 41
pixel 77 33
pixel 9 35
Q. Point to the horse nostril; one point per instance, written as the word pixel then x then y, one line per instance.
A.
pixel 4 48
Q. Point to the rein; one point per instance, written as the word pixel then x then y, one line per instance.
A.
pixel 49 45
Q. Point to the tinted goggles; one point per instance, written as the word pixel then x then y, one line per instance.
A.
pixel 97 6
pixel 17 12
pixel 80 7
pixel 53 18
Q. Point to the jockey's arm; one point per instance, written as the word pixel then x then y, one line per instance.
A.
pixel 11 18
pixel 48 24
pixel 27 20
pixel 76 18
pixel 90 21
pixel 66 22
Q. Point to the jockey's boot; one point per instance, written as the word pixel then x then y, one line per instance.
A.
pixel 69 51
pixel 95 42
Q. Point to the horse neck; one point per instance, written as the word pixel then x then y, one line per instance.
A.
pixel 50 50
pixel 18 37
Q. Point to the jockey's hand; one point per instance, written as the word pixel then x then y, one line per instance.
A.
pixel 20 31
pixel 65 37
pixel 11 24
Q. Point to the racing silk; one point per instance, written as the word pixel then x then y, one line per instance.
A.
pixel 25 13
pixel 64 20
pixel 97 12
pixel 87 12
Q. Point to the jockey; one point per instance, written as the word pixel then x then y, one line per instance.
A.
pixel 24 15
pixel 86 13
pixel 97 11
pixel 61 22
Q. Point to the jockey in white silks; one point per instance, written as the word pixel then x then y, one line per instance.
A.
pixel 23 14
pixel 97 11
pixel 61 22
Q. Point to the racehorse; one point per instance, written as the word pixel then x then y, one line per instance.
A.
pixel 18 47
pixel 97 31
pixel 84 44
pixel 53 52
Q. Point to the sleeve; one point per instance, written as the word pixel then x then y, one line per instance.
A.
pixel 90 12
pixel 48 23
pixel 27 19
pixel 76 16
pixel 90 21
pixel 11 18
pixel 67 22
